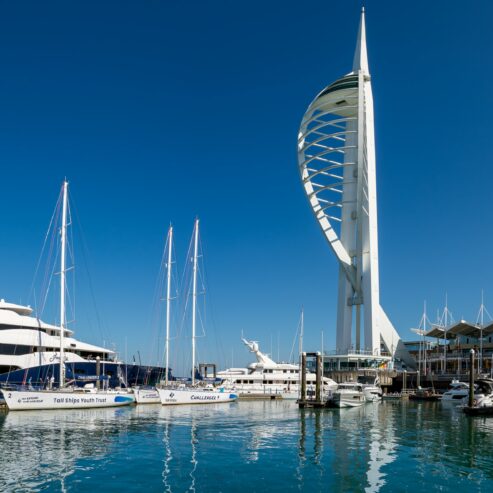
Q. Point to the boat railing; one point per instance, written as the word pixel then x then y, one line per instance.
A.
pixel 357 352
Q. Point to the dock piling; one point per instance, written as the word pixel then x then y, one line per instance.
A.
pixel 471 378
pixel 318 382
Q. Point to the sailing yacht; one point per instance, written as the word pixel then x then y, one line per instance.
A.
pixel 151 395
pixel 64 397
pixel 194 394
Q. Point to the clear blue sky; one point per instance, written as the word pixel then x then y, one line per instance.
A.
pixel 159 111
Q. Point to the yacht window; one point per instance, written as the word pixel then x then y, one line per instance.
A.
pixel 250 381
pixel 13 349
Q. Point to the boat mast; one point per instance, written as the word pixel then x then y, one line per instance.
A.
pixel 62 283
pixel 194 295
pixel 301 332
pixel 168 299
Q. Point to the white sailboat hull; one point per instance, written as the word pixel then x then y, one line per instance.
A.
pixel 48 399
pixel 171 397
pixel 147 396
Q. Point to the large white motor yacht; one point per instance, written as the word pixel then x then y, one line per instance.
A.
pixel 28 342
pixel 267 377
pixel 30 354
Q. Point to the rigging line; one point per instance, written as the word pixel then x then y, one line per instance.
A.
pixel 85 262
pixel 294 340
pixel 157 307
pixel 38 264
pixel 53 245
pixel 71 297
pixel 50 278
pixel 209 302
pixel 186 283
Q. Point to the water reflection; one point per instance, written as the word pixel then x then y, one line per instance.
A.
pixel 248 445
pixel 49 443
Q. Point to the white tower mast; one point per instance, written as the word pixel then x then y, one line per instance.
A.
pixel 168 299
pixel 194 295
pixel 336 156
pixel 62 283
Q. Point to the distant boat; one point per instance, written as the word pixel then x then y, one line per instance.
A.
pixel 64 398
pixel 456 393
pixel 348 394
pixel 424 394
pixel 371 387
pixel 265 377
pixel 194 394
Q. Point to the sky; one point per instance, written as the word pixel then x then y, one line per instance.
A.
pixel 160 111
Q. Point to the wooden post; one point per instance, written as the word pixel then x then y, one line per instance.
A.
pixel 471 378
pixel 303 377
pixel 318 383
pixel 98 372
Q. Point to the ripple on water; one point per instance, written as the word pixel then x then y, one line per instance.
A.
pixel 247 446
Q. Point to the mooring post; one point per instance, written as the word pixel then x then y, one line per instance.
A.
pixel 318 383
pixel 471 378
pixel 418 381
pixel 303 377
pixel 98 371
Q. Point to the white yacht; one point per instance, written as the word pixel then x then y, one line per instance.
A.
pixel 28 342
pixel 349 394
pixel 30 354
pixel 194 394
pixel 456 392
pixel 483 394
pixel 371 387
pixel 267 377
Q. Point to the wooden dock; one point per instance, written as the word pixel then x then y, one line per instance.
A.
pixel 260 397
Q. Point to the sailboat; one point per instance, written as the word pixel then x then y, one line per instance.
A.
pixel 194 394
pixel 151 396
pixel 64 397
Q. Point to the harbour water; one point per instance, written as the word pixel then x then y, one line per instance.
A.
pixel 247 446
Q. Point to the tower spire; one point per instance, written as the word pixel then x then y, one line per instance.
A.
pixel 360 55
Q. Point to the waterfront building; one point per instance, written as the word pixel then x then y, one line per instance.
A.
pixel 444 350
pixel 336 157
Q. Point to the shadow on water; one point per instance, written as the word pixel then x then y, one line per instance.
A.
pixel 253 446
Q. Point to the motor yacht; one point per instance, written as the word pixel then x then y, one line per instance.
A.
pixel 371 387
pixel 483 394
pixel 268 378
pixel 348 394
pixel 456 392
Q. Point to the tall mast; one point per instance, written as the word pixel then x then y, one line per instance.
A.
pixel 301 332
pixel 168 298
pixel 62 283
pixel 194 295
